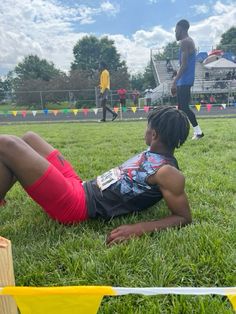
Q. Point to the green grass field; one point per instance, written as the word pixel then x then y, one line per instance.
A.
pixel 201 254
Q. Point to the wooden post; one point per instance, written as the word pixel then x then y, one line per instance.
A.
pixel 7 304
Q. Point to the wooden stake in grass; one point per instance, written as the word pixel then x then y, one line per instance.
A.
pixel 7 304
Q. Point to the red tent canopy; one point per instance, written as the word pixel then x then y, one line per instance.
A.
pixel 217 52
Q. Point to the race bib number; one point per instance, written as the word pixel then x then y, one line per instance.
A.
pixel 108 178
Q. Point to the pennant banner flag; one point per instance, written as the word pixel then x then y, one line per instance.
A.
pixel 75 111
pixel 23 113
pixel 209 106
pixel 134 109
pixel 223 105
pixel 95 111
pixel 232 298
pixel 60 300
pixel 87 299
pixel 146 109
pixel 85 111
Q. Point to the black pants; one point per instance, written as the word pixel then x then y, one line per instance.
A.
pixel 105 108
pixel 183 98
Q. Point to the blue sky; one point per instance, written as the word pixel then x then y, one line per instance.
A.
pixel 51 28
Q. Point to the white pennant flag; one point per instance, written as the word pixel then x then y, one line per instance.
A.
pixel 34 112
pixel 95 111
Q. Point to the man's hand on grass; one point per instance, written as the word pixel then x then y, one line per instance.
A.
pixel 124 233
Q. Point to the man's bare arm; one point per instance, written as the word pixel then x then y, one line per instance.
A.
pixel 171 183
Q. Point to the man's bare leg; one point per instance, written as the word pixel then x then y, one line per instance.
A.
pixel 19 160
pixel 35 141
pixel 38 144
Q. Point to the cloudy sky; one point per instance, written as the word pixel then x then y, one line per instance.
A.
pixel 51 28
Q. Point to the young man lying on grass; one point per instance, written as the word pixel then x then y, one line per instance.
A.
pixel 137 184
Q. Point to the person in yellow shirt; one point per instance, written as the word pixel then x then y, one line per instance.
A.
pixel 104 91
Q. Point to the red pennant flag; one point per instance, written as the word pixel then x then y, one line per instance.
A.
pixel 85 111
pixel 24 112
pixel 209 106
pixel 116 109
pixel 146 108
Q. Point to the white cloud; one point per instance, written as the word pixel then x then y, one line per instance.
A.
pixel 110 8
pixel 207 32
pixel 44 28
pixel 156 37
pixel 200 8
pixel 153 1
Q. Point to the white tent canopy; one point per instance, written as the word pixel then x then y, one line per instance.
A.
pixel 222 63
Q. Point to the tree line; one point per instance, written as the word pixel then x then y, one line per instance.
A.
pixel 34 74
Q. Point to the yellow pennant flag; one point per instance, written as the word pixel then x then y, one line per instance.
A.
pixel 75 111
pixel 134 109
pixel 60 300
pixel 232 299
pixel 14 113
pixel 198 107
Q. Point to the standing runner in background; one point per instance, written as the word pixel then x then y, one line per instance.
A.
pixel 104 91
pixel 185 76
pixel 122 96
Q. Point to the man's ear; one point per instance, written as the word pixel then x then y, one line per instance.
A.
pixel 154 135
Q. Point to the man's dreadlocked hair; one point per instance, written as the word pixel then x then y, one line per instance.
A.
pixel 171 124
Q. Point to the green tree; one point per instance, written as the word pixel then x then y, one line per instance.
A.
pixel 148 77
pixel 142 81
pixel 137 81
pixel 35 74
pixel 32 67
pixel 170 51
pixel 6 88
pixel 228 40
pixel 89 51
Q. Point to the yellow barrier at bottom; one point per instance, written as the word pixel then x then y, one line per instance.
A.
pixel 232 299
pixel 87 299
pixel 59 300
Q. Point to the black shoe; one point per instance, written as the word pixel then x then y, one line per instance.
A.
pixel 115 115
pixel 102 120
pixel 197 136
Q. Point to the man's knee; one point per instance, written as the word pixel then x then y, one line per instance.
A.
pixel 8 143
pixel 29 136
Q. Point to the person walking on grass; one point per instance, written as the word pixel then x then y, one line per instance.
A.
pixel 137 184
pixel 104 91
pixel 184 78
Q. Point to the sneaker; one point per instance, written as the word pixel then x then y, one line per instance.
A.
pixel 115 115
pixel 102 120
pixel 197 136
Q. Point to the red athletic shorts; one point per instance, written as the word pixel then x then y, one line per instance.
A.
pixel 60 191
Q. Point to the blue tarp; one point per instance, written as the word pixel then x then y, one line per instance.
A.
pixel 230 56
pixel 201 56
